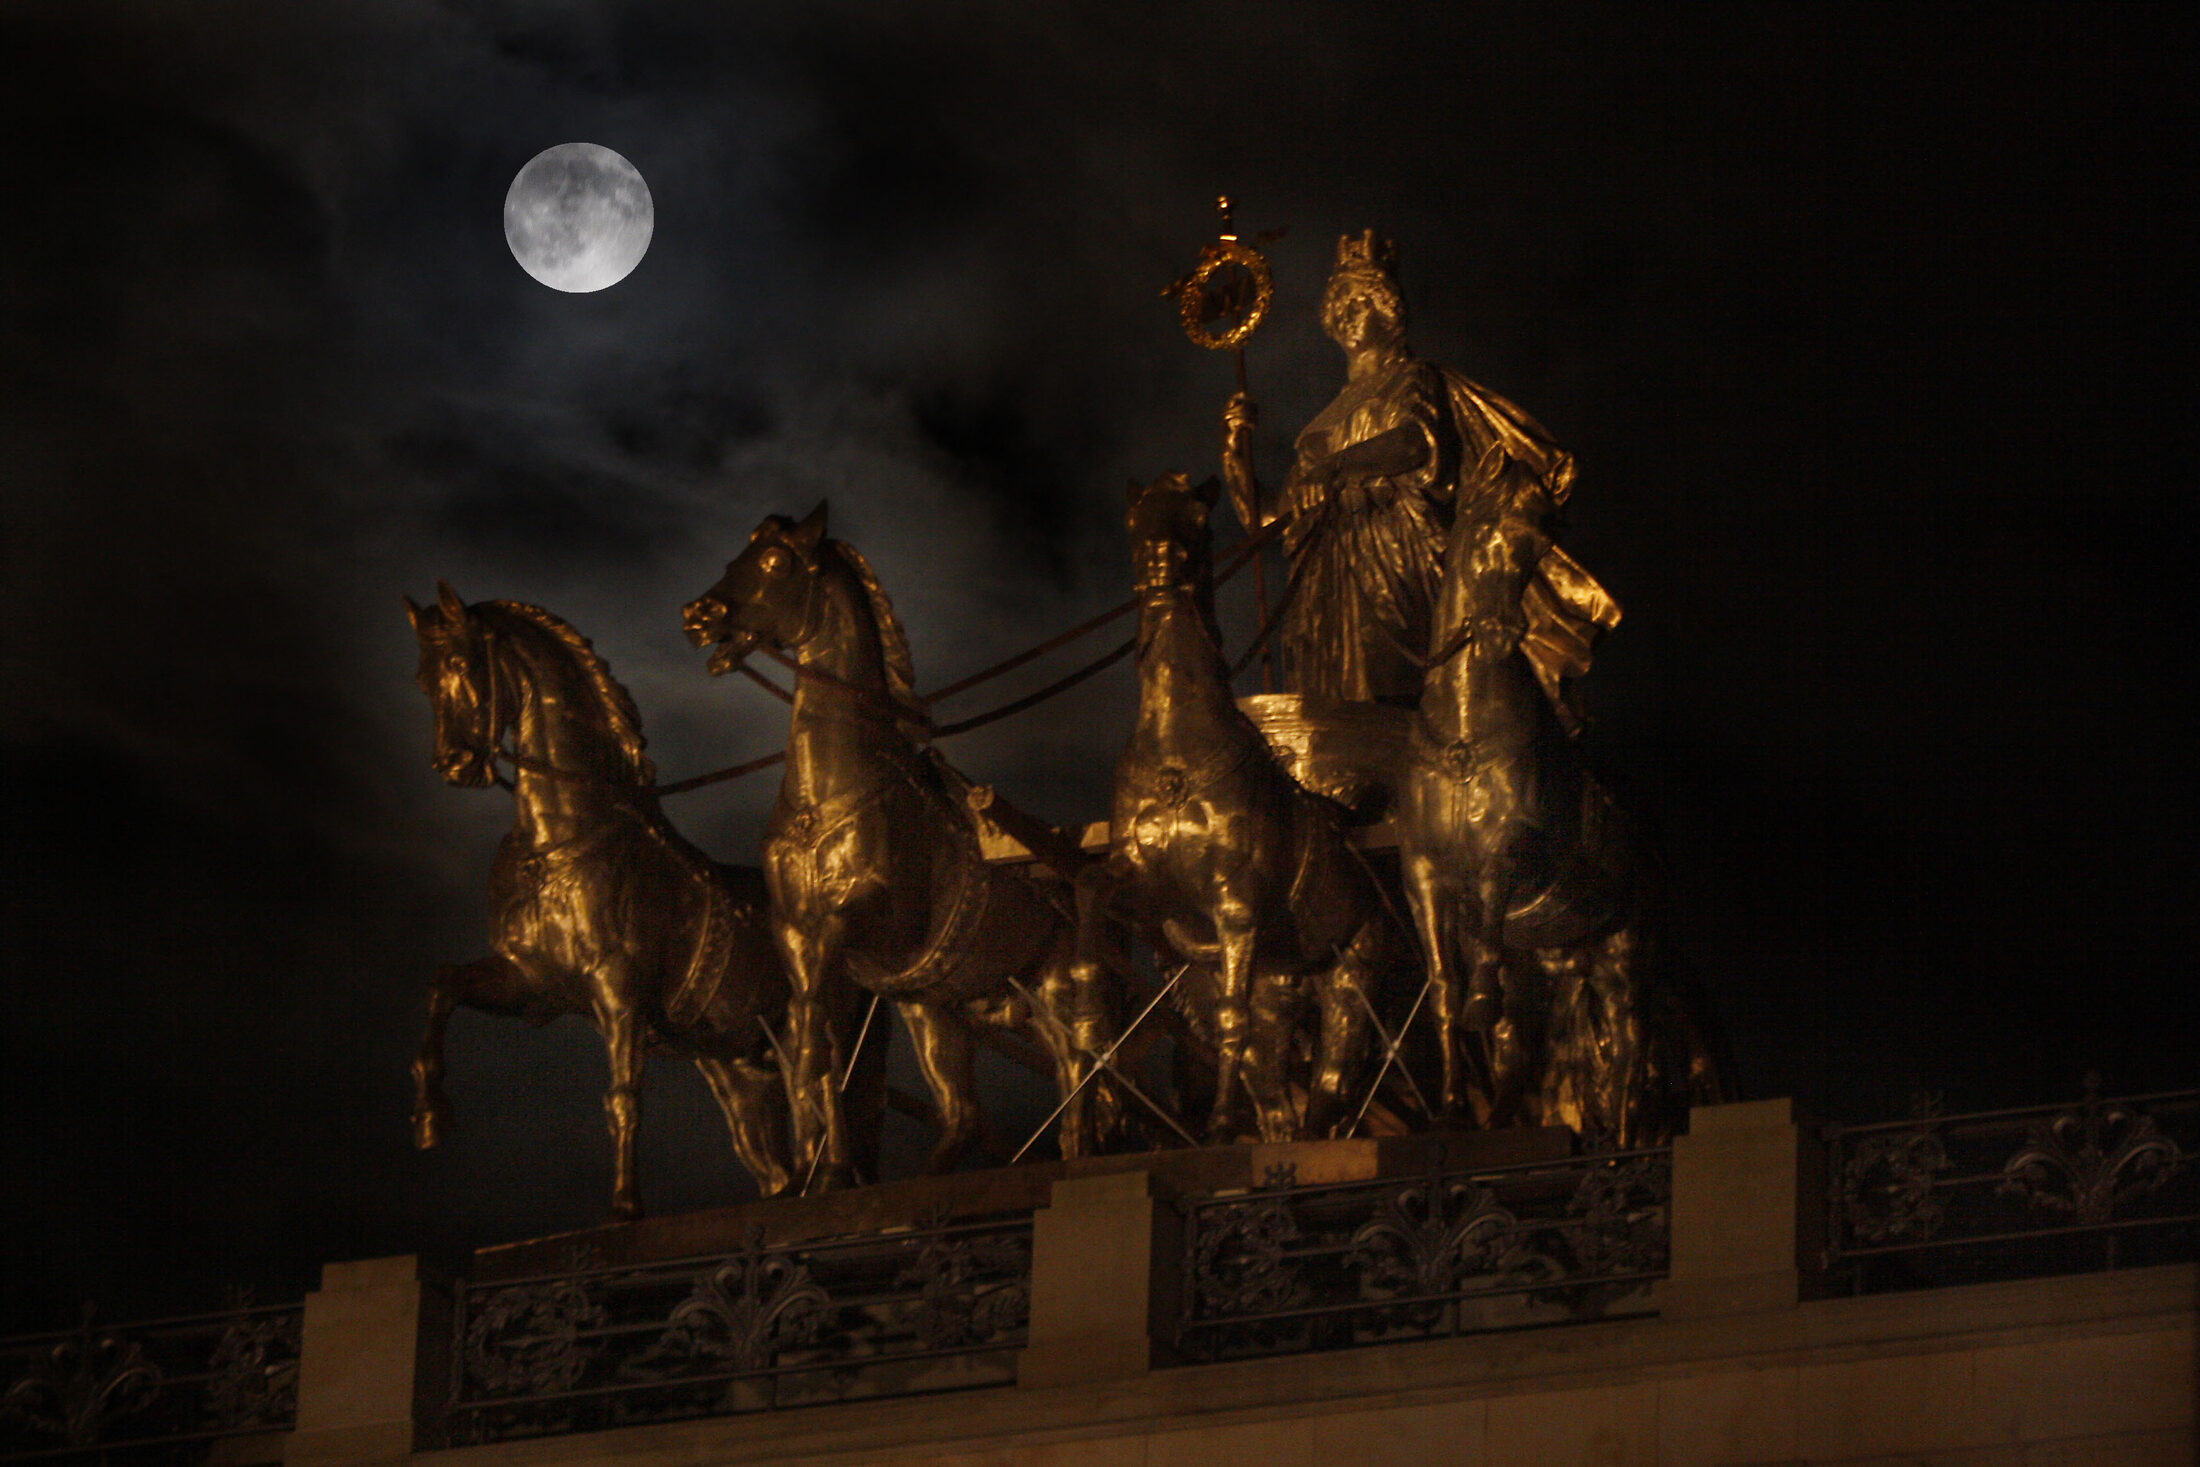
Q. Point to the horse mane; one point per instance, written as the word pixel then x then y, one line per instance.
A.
pixel 618 704
pixel 893 640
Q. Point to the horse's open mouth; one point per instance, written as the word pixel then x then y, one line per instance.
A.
pixel 704 620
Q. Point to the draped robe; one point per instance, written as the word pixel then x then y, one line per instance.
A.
pixel 1367 552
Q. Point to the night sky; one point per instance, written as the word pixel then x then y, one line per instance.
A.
pixel 1873 336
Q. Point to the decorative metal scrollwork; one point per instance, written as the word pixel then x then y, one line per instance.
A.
pixel 83 1385
pixel 255 1372
pixel 1431 1237
pixel 1291 1269
pixel 530 1339
pixel 1945 1199
pixel 970 1290
pixel 2087 1161
pixel 1237 1259
pixel 745 1312
pixel 1886 1190
pixel 617 1345
pixel 1624 1222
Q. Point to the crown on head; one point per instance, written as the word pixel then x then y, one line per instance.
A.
pixel 1366 253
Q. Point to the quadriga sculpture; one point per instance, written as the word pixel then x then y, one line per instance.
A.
pixel 1246 874
pixel 873 862
pixel 1534 900
pixel 597 905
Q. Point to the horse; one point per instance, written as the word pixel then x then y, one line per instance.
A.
pixel 1246 874
pixel 873 863
pixel 598 906
pixel 1521 869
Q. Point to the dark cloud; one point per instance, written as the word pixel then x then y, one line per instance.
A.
pixel 1872 334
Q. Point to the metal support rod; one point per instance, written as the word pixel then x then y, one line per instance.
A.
pixel 1390 1052
pixel 1105 1060
pixel 1389 1055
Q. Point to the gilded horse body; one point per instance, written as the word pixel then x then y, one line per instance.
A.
pixel 872 859
pixel 598 906
pixel 1246 873
pixel 1532 896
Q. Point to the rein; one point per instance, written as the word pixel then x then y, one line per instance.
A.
pixel 1241 555
pixel 1290 590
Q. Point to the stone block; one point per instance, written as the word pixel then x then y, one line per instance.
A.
pixel 1105 1269
pixel 1888 1404
pixel 1402 1436
pixel 373 1368
pixel 2109 1384
pixel 1733 1416
pixel 1604 1426
pixel 1748 1211
pixel 2126 1449
pixel 1257 1444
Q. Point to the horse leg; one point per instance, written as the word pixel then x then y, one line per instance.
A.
pixel 1435 907
pixel 490 984
pixel 1623 1078
pixel 1273 1014
pixel 1236 935
pixel 812 1054
pixel 1096 888
pixel 1346 999
pixel 1571 1091
pixel 1518 1046
pixel 1493 889
pixel 1076 996
pixel 754 1100
pixel 942 1040
pixel 621 1027
pixel 431 1115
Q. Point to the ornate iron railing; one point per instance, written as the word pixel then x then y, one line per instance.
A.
pixel 936 1308
pixel 152 1388
pixel 2102 1183
pixel 1288 1269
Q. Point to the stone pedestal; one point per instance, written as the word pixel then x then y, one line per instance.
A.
pixel 1106 1266
pixel 1748 1211
pixel 375 1367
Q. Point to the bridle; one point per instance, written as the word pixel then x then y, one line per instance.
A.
pixel 892 709
pixel 488 743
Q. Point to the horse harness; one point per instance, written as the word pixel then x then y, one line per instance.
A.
pixel 806 827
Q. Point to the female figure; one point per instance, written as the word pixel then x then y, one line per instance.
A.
pixel 1379 476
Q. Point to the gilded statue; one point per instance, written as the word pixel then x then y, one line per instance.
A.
pixel 1430 630
pixel 1376 480
pixel 873 861
pixel 1523 872
pixel 1247 875
pixel 597 905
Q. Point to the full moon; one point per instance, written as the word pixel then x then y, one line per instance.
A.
pixel 578 217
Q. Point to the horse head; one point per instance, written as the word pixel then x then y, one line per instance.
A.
pixel 1171 544
pixel 767 596
pixel 461 683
